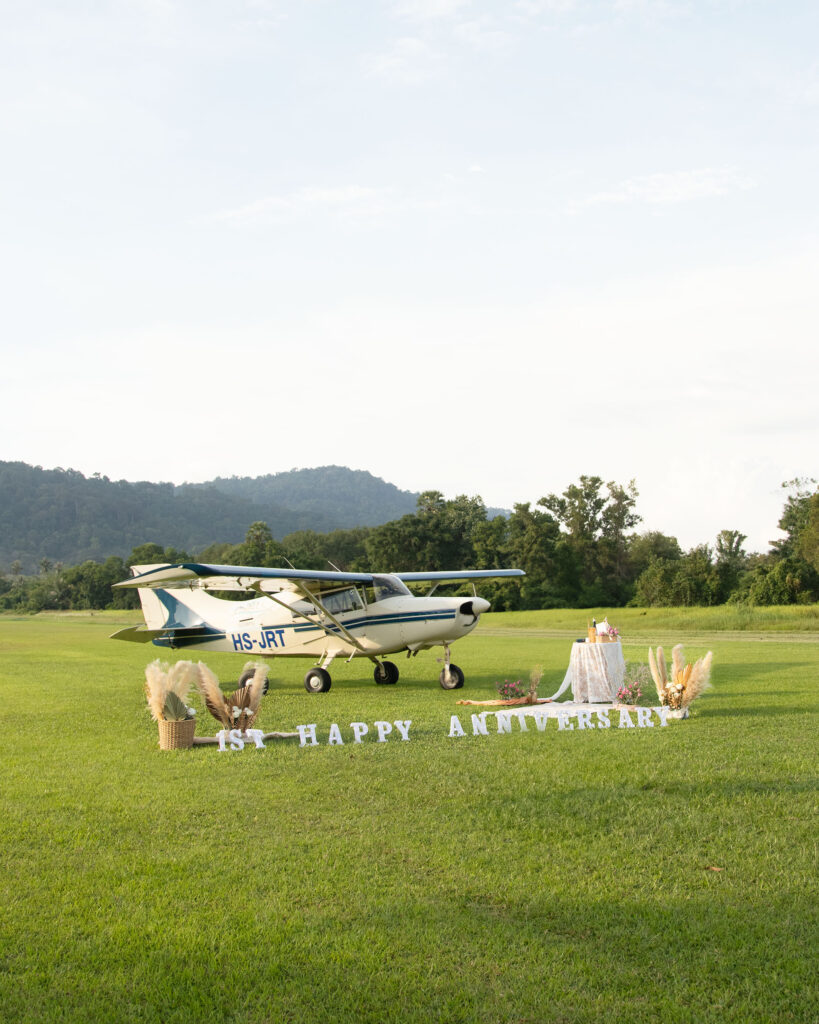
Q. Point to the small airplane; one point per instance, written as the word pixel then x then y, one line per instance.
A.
pixel 304 613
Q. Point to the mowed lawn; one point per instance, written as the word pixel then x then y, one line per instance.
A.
pixel 664 874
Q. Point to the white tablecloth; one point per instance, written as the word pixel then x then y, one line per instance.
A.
pixel 595 672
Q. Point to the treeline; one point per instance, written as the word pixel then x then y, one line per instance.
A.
pixel 61 515
pixel 579 549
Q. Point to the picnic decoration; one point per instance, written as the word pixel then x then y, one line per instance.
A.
pixel 237 710
pixel 166 690
pixel 687 681
pixel 601 632
pixel 512 695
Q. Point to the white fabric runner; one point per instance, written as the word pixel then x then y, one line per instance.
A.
pixel 595 672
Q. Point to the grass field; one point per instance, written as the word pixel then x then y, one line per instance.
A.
pixel 538 876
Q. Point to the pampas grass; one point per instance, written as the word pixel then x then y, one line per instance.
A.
pixel 166 689
pixel 687 681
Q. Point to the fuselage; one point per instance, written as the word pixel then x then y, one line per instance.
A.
pixel 287 625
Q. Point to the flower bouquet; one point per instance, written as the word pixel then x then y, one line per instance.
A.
pixel 686 682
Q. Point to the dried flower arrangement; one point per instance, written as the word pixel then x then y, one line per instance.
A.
pixel 166 688
pixel 236 710
pixel 687 681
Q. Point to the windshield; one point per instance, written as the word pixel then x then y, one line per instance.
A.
pixel 389 586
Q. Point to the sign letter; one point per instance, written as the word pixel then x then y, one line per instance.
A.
pixel 403 728
pixel 383 729
pixel 359 729
pixel 307 732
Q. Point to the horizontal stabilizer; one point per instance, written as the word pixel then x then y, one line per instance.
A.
pixel 140 635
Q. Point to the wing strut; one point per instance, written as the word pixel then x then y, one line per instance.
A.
pixel 319 608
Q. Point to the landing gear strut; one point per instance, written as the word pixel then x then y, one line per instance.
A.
pixel 385 673
pixel 451 677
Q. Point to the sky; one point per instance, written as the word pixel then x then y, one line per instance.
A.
pixel 481 248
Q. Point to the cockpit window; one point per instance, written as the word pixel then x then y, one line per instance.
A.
pixel 388 586
pixel 342 601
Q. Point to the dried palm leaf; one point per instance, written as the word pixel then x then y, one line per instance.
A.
pixel 208 686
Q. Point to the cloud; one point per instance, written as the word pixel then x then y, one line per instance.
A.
pixel 676 187
pixel 348 202
pixel 428 10
pixel 409 61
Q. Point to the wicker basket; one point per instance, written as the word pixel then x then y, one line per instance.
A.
pixel 176 735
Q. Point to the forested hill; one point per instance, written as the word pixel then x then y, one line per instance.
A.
pixel 61 515
pixel 338 497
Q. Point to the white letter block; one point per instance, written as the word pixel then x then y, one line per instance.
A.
pixel 455 727
pixel 563 720
pixel 236 741
pixel 359 729
pixel 335 736
pixel 663 713
pixel 541 719
pixel 625 720
pixel 479 725
pixel 504 721
pixel 603 718
pixel 257 736
pixel 644 718
pixel 403 728
pixel 307 732
pixel 384 729
pixel 584 720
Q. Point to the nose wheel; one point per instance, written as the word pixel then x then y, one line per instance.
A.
pixel 451 677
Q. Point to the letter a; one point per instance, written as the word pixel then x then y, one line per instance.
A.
pixel 455 727
pixel 625 720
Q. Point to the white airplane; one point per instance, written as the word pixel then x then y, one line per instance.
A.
pixel 305 614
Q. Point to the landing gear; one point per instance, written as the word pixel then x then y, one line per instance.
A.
pixel 317 680
pixel 245 678
pixel 385 673
pixel 451 677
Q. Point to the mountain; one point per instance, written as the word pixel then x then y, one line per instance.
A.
pixel 333 496
pixel 66 517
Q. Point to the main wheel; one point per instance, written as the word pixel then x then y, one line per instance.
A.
pixel 452 680
pixel 245 678
pixel 385 673
pixel 317 680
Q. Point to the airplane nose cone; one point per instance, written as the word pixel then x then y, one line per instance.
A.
pixel 475 606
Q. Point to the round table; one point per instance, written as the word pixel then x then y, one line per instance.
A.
pixel 595 672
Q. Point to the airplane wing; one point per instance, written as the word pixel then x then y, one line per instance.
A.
pixel 459 574
pixel 183 574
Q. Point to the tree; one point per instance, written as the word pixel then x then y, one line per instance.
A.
pixel 808 545
pixel 645 548
pixel 259 548
pixel 596 529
